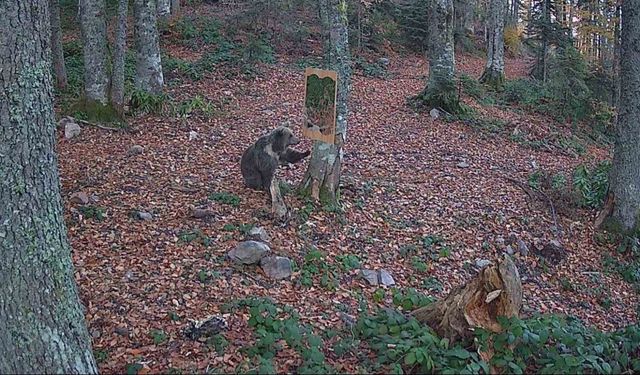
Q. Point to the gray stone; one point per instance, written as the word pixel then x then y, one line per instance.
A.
pixel 463 164
pixel 385 278
pixel 79 197
pixel 248 252
pixel 71 128
pixel 193 135
pixel 136 150
pixel 371 276
pixel 258 234
pixel 276 267
pixel 482 263
pixel 201 213
pixel 434 113
pixel 522 248
pixel 510 250
pixel 383 61
pixel 500 242
pixel 144 215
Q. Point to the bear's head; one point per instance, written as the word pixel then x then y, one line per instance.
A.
pixel 281 138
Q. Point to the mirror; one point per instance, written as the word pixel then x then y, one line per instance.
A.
pixel 320 104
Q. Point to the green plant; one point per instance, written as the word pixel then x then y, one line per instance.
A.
pixel 315 265
pixel 432 284
pixel 158 336
pixel 368 69
pixel 410 299
pixel 348 262
pixel 592 185
pixel 472 87
pixel 196 105
pixel 226 198
pixel 100 355
pixel 194 235
pixel 142 102
pixel 93 212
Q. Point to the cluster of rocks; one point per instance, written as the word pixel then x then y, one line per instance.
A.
pixel 256 250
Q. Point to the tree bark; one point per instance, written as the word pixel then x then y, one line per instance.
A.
pixel 56 45
pixel 164 8
pixel 496 291
pixel 625 176
pixel 493 74
pixel 441 88
pixel 322 178
pixel 94 35
pixel 42 329
pixel 117 77
pixel 175 7
pixel 148 65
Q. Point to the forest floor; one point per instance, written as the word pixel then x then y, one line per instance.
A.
pixel 405 177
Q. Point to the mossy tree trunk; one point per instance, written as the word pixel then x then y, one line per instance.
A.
pixel 625 176
pixel 42 327
pixel 441 88
pixel 148 65
pixel 94 36
pixel 117 77
pixel 493 75
pixel 56 45
pixel 164 8
pixel 495 291
pixel 322 178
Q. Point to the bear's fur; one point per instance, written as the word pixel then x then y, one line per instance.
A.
pixel 260 161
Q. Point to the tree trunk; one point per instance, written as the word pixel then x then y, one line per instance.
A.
pixel 117 77
pixel 175 7
pixel 625 176
pixel 42 329
pixel 441 88
pixel 56 45
pixel 323 175
pixel 148 65
pixel 616 58
pixel 496 291
pixel 164 8
pixel 94 35
pixel 494 72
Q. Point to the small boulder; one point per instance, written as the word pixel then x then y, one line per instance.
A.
pixel 371 276
pixel 522 248
pixel 434 113
pixel 136 150
pixel 463 164
pixel 553 253
pixel 71 128
pixel 384 61
pixel 193 135
pixel 144 215
pixel 79 197
pixel 258 234
pixel 385 278
pixel 276 267
pixel 248 252
pixel 202 213
pixel 482 263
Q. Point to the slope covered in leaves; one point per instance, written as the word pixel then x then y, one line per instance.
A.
pixel 407 179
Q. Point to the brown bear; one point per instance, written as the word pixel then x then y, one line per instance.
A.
pixel 260 161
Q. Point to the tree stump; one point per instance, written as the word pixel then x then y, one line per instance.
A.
pixel 278 207
pixel 495 291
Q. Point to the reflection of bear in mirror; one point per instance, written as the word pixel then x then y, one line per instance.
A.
pixel 320 104
pixel 260 160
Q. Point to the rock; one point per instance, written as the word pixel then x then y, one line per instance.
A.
pixel 522 248
pixel 71 128
pixel 434 113
pixel 276 267
pixel 463 164
pixel 482 263
pixel 553 253
pixel 122 331
pixel 193 135
pixel 258 234
pixel 371 276
pixel 385 278
pixel 144 215
pixel 384 61
pixel 248 252
pixel 79 197
pixel 509 250
pixel 500 242
pixel 202 213
pixel 136 150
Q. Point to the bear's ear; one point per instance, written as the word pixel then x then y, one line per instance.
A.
pixel 280 139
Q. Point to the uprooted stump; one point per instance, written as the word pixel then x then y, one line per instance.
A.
pixel 495 291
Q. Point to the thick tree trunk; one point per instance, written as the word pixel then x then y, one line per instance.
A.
pixel 164 8
pixel 616 57
pixel 625 176
pixel 94 35
pixel 42 329
pixel 175 7
pixel 323 175
pixel 493 74
pixel 441 88
pixel 496 291
pixel 148 65
pixel 56 45
pixel 117 77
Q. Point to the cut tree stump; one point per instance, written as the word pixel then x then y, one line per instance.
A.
pixel 278 207
pixel 495 291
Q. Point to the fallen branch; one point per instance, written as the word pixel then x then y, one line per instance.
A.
pixel 84 122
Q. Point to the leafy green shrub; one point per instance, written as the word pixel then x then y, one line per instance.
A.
pixel 592 185
pixel 370 69
pixel 226 198
pixel 524 91
pixel 93 212
pixel 196 105
pixel 472 87
pixel 315 265
pixel 142 102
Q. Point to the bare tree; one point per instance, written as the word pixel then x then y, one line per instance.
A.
pixel 494 71
pixel 148 64
pixel 42 329
pixel 94 36
pixel 117 79
pixel 56 45
pixel 323 175
pixel 175 7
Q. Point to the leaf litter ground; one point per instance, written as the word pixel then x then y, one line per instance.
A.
pixel 405 177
